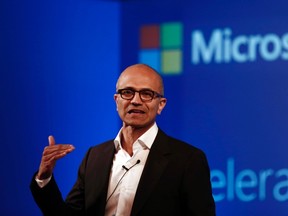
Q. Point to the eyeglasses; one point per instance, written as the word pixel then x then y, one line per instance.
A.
pixel 146 95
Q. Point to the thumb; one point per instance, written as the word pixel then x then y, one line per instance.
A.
pixel 51 140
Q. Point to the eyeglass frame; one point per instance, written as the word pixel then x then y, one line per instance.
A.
pixel 155 94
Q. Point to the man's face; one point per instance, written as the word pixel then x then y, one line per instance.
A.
pixel 135 112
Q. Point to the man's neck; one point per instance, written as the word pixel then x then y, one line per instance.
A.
pixel 129 135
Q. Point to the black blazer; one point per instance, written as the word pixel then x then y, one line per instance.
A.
pixel 175 181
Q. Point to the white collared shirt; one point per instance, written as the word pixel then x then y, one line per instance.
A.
pixel 123 184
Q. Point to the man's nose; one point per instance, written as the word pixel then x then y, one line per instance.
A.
pixel 136 99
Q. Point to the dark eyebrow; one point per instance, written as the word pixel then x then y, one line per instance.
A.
pixel 144 89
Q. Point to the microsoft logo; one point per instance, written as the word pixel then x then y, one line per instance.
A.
pixel 161 47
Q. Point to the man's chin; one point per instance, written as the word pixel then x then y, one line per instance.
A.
pixel 137 125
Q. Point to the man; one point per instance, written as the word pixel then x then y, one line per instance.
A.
pixel 142 172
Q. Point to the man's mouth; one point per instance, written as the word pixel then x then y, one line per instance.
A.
pixel 136 111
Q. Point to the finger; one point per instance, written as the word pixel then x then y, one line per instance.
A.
pixel 53 151
pixel 62 150
pixel 61 155
pixel 51 159
pixel 51 140
pixel 49 162
pixel 58 147
pixel 50 156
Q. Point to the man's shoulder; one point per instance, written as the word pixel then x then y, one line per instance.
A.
pixel 100 152
pixel 106 145
pixel 179 145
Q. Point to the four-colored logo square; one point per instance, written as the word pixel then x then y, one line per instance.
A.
pixel 161 47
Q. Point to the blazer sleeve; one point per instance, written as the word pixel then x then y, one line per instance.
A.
pixel 49 198
pixel 197 186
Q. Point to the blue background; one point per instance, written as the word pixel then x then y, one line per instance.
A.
pixel 236 112
pixel 59 61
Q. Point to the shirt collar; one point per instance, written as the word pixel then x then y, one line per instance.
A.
pixel 146 139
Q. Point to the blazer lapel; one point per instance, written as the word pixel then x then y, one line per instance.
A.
pixel 155 165
pixel 99 162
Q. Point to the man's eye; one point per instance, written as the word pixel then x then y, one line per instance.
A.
pixel 147 93
pixel 127 92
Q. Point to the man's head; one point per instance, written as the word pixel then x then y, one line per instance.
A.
pixel 139 96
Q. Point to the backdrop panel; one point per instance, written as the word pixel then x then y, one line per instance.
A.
pixel 225 68
pixel 58 68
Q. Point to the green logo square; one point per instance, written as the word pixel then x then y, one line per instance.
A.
pixel 171 35
pixel 171 61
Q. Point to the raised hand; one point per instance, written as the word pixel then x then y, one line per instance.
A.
pixel 50 155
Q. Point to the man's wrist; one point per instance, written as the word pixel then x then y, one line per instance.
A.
pixel 42 182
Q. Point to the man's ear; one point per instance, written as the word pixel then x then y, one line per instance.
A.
pixel 116 100
pixel 162 104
